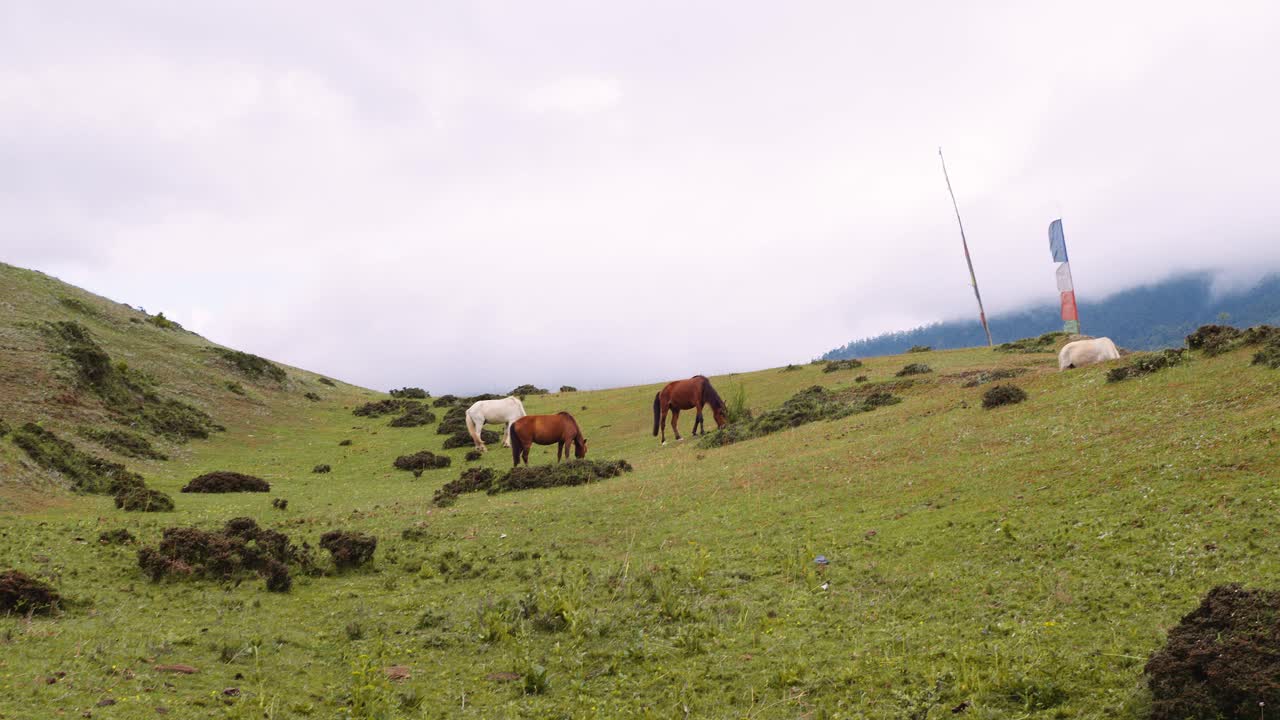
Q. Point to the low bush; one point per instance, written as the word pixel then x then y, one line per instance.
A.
pixel 1147 363
pixel 919 348
pixel 240 547
pixel 383 407
pixel 810 405
pixel 143 499
pixel 326 381
pixel 1213 339
pixel 4 428
pixel 1003 395
pixel 22 594
pixel 124 442
pixel 913 369
pixel 423 460
pixel 414 393
pixel 1045 343
pixel 313 397
pixel 345 443
pixel 445 401
pixel 1260 334
pixel 790 368
pixel 463 438
pixel 349 549
pixel 473 455
pixel 225 481
pixel 321 469
pixel 235 387
pixel 974 378
pixel 280 503
pixel 861 379
pixel 87 473
pixel 566 474
pixel 1220 661
pixel 414 416
pixel 251 366
pixel 162 322
pixel 526 389
pixel 1269 355
pixel 78 305
pixel 454 421
pixel 119 536
pixel 568 389
pixel 835 365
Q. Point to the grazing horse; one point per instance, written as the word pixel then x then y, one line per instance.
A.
pixel 560 429
pixel 1086 352
pixel 689 394
pixel 507 410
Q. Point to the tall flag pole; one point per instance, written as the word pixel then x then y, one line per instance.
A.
pixel 973 279
pixel 1066 289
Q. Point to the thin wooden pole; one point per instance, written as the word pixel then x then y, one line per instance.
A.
pixel 973 278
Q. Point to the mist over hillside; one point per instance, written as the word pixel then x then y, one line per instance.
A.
pixel 1141 318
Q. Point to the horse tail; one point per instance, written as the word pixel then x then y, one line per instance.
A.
pixel 657 412
pixel 471 428
pixel 517 446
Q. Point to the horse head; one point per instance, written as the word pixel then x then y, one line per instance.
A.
pixel 580 447
pixel 722 418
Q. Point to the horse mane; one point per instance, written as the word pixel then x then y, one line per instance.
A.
pixel 710 395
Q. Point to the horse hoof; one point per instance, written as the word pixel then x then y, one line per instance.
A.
pixel 662 444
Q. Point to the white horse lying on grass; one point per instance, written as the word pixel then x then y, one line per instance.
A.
pixel 1087 352
pixel 507 410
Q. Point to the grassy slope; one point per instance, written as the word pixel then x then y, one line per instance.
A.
pixel 1025 560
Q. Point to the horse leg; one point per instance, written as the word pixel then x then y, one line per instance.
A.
pixel 506 436
pixel 675 418
pixel 662 421
pixel 698 421
pixel 559 449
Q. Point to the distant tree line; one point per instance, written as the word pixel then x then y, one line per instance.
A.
pixel 1143 318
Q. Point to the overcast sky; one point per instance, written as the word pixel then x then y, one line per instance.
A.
pixel 470 196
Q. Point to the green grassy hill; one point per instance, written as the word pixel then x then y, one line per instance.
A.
pixel 1022 561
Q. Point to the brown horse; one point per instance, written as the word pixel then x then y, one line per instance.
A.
pixel 560 429
pixel 687 395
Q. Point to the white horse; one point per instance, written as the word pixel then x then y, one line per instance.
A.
pixel 507 410
pixel 1087 352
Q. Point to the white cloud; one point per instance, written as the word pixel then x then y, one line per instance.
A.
pixel 575 95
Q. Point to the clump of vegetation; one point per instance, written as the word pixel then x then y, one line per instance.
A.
pixel 1147 363
pixel 280 503
pixel 526 389
pixel 119 536
pixel 1045 343
pixel 810 405
pixel 162 322
pixel 313 397
pixel 326 381
pixel 4 428
pixel 87 473
pixel 250 365
pixel 424 460
pixel 235 387
pixel 143 499
pixel 321 469
pixel 454 421
pixel 568 389
pixel 22 594
pixel 463 438
pixel 414 416
pixel 1260 334
pixel 240 547
pixel 913 369
pixel 383 407
pixel 1269 355
pixel 414 393
pixel 1003 395
pixel 1213 339
pixel 225 481
pixel 78 305
pixel 129 444
pixel 974 378
pixel 345 443
pixel 567 474
pixel 126 392
pixel 1221 660
pixel 445 401
pixel 473 455
pixel 349 549
pixel 919 348
pixel 736 407
pixel 861 379
pixel 790 368
pixel 835 365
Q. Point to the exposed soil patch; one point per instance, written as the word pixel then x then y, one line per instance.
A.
pixel 119 536
pixel 413 393
pixel 1222 660
pixel 835 365
pixel 567 474
pixel 414 416
pixel 423 460
pixel 1003 395
pixel 913 369
pixel 1147 363
pixel 251 366
pixel 22 594
pixel 240 548
pixel 349 549
pixel 87 473
pixel 225 481
pixel 1045 343
pixel 143 499
pixel 129 444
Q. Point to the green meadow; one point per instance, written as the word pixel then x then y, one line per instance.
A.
pixel 1017 562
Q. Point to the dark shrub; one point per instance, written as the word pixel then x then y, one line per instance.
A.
pixel 235 387
pixel 473 455
pixel 1269 355
pixel 4 428
pixel 322 468
pixel 345 443
pixel 1045 343
pixel 568 388
pixel 913 369
pixel 849 364
pixel 383 407
pixel 974 378
pixel 463 439
pixel 410 392
pixel 87 473
pixel 1260 334
pixel 162 322
pixel 348 549
pixel 313 397
pixel 280 503
pixel 525 390
pixel 251 366
pixel 919 348
pixel 1147 363
pixel 1003 395
pixel 124 442
pixel 454 421
pixel 424 460
pixel 414 416
pixel 78 305
pixel 326 381
pixel 573 472
pixel 471 480
pixel 1213 339
pixel 241 547
pixel 790 368
pixel 119 536
pixel 225 481
pixel 445 401
pixel 22 594
pixel 860 379
pixel 1221 661
pixel 810 405
pixel 143 499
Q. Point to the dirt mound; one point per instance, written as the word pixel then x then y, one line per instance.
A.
pixel 567 474
pixel 1045 343
pixel 225 481
pixel 414 416
pixel 835 365
pixel 913 369
pixel 251 366
pixel 1003 395
pixel 463 439
pixel 383 407
pixel 241 547
pixel 22 594
pixel 129 444
pixel 1222 660
pixel 423 460
pixel 1147 363
pixel 321 469
pixel 527 389
pixel 143 499
pixel 473 455
pixel 87 473
pixel 413 393
pixel 119 536
pixel 1213 339
pixel 349 549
